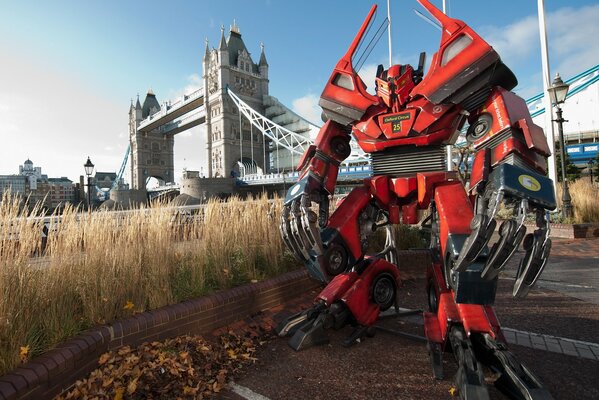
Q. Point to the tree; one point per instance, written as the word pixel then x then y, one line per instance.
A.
pixel 572 171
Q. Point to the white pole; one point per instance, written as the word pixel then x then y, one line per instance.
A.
pixel 449 147
pixel 389 32
pixel 546 83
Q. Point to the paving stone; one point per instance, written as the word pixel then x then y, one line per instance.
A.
pixel 554 348
pixel 567 345
pixel 510 336
pixel 586 353
pixel 539 346
pixel 551 339
pixel 523 339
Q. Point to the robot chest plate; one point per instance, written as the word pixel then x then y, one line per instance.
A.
pixel 397 125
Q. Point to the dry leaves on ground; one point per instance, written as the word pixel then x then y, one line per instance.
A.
pixel 187 367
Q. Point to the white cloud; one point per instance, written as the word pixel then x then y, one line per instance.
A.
pixel 515 41
pixel 572 39
pixel 308 108
pixel 193 84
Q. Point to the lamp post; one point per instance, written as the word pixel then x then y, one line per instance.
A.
pixel 558 92
pixel 89 169
pixel 591 163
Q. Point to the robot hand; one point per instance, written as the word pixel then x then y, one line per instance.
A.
pixel 300 226
pixel 526 192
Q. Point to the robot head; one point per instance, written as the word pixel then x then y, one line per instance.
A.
pixel 395 84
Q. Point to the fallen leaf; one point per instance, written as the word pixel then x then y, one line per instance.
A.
pixel 118 393
pixel 128 306
pixel 104 358
pixel 24 353
pixel 132 386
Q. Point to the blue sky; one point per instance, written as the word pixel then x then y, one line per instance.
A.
pixel 69 68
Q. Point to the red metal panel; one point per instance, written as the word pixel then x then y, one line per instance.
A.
pixel 331 179
pixel 447 312
pixel 410 213
pixel 455 211
pixel 426 184
pixel 358 297
pixel 432 329
pixel 337 287
pixel 394 212
pixel 439 74
pixel 513 145
pixel 474 319
pixel 403 187
pixel 353 95
pixel 480 167
pixel 534 136
pixel 345 218
pixel 495 323
pixel 397 125
pixel 379 187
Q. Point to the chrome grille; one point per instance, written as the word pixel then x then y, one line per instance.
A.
pixel 408 160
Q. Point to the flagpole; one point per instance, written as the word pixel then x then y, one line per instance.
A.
pixel 546 84
pixel 389 32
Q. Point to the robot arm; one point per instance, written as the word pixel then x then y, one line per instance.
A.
pixel 509 167
pixel 300 226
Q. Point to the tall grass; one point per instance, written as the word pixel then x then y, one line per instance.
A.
pixel 97 268
pixel 585 200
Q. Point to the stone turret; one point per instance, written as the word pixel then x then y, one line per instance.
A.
pixel 223 48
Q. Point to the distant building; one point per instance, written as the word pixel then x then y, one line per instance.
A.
pixel 16 184
pixel 62 191
pixel 37 188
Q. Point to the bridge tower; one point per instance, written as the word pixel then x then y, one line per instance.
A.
pixel 231 139
pixel 151 152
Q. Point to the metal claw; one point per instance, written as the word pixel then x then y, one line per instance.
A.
pixel 538 247
pixel 510 237
pixel 482 229
pixel 288 237
pixel 298 229
pixel 310 219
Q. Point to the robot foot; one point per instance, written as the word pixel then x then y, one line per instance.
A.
pixel 307 328
pixel 515 380
pixel 469 379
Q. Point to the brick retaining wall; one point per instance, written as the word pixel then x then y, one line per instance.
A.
pixel 56 370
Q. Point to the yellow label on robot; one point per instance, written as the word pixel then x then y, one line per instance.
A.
pixel 529 183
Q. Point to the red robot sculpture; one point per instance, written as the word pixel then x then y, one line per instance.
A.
pixel 405 128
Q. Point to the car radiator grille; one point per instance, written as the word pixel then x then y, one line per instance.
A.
pixel 408 160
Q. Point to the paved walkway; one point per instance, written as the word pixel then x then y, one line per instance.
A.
pixel 554 331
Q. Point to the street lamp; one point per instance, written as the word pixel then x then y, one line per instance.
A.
pixel 591 163
pixel 89 169
pixel 558 92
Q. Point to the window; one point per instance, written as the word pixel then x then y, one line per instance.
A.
pixel 455 48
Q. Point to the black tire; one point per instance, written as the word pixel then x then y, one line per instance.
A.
pixel 384 291
pixel 336 260
pixel 433 301
pixel 479 128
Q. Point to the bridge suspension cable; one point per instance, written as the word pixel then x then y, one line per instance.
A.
pixel 283 137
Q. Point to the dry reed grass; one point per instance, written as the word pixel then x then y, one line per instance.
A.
pixel 585 200
pixel 97 268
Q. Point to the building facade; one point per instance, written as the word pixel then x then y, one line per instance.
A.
pixel 37 189
pixel 151 152
pixel 232 143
